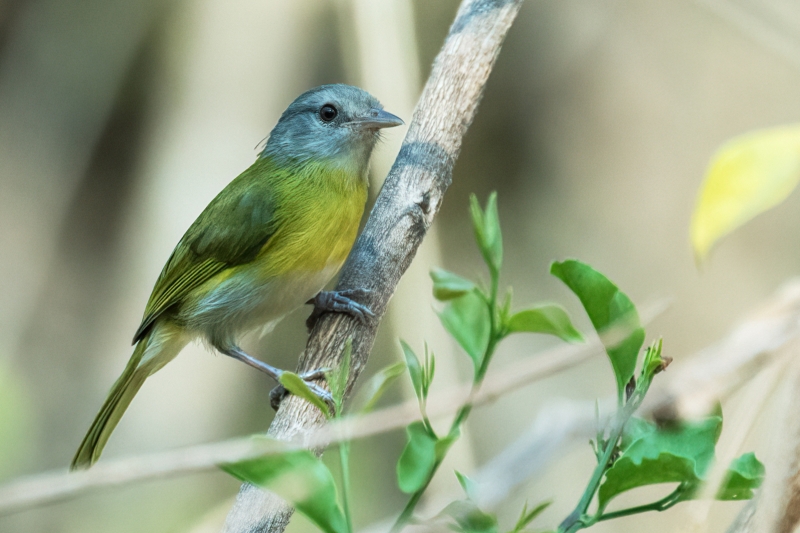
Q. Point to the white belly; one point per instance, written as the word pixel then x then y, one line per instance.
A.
pixel 243 303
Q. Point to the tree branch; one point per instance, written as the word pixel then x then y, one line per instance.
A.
pixel 776 508
pixel 406 206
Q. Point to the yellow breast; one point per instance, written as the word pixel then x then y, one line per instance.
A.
pixel 318 227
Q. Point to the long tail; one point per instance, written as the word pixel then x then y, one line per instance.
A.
pixel 123 391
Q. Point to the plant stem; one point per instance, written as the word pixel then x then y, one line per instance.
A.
pixel 495 336
pixel 460 418
pixel 661 505
pixel 408 510
pixel 344 460
pixel 578 518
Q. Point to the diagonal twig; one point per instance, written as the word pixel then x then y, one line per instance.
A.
pixel 46 488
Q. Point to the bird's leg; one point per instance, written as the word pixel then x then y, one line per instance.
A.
pixel 279 393
pixel 339 302
pixel 313 375
pixel 237 353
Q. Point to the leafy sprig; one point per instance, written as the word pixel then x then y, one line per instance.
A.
pixel 478 321
pixel 633 452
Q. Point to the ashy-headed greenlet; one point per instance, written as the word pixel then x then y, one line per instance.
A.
pixel 267 244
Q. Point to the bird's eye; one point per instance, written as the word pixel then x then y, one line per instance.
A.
pixel 328 113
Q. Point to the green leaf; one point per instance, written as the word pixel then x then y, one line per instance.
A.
pixel 744 475
pixel 505 307
pixel 747 176
pixel 414 369
pixel 636 428
pixel 652 455
pixel 654 362
pixel 467 319
pixel 417 460
pixel 295 384
pixel 469 486
pixel 429 370
pixel 526 517
pixel 469 518
pixel 551 319
pixel 378 385
pixel 443 444
pixel 299 477
pixel 487 231
pixel 612 313
pixel 447 285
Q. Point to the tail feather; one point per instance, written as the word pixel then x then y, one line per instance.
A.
pixel 123 391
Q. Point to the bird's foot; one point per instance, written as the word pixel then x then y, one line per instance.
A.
pixel 339 302
pixel 277 394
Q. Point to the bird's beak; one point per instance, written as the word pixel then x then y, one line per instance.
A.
pixel 377 119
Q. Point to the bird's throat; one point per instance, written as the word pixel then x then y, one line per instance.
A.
pixel 321 208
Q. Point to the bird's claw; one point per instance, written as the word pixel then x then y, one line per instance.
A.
pixel 278 393
pixel 340 302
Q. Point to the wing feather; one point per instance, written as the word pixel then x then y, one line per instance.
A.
pixel 231 231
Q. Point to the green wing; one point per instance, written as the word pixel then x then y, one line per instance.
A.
pixel 229 232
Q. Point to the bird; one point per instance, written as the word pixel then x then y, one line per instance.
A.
pixel 266 244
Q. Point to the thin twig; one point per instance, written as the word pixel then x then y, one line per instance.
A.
pixel 59 485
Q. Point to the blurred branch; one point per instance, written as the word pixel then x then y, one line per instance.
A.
pixel 404 211
pixel 688 389
pixel 750 408
pixel 55 486
pixel 558 423
pixel 46 488
pixel 776 508
pixel 771 24
pixel 694 386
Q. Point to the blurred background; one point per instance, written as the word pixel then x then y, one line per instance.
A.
pixel 121 119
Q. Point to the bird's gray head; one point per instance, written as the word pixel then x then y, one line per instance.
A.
pixel 336 124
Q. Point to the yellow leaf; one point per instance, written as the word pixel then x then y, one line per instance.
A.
pixel 747 176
